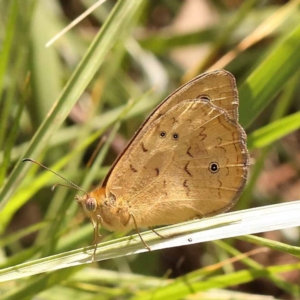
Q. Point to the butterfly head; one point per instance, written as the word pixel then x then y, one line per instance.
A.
pixel 102 208
pixel 88 203
pixel 91 202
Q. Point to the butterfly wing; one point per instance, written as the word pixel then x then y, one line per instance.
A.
pixel 190 161
pixel 218 86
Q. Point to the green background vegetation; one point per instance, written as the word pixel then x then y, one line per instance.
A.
pixel 103 78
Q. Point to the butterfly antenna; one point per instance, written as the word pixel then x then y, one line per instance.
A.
pixel 72 185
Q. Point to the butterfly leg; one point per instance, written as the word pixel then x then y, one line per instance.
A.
pixel 158 234
pixel 97 236
pixel 137 230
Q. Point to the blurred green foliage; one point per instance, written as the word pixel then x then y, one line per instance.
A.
pixel 110 70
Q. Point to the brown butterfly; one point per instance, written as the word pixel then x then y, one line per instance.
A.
pixel 188 160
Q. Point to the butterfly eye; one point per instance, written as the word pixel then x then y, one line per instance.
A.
pixel 214 167
pixel 91 204
pixel 175 136
pixel 163 134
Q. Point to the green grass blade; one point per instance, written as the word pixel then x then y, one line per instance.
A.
pixel 270 133
pixel 121 15
pixel 267 80
pixel 267 218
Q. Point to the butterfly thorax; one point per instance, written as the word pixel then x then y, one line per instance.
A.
pixel 102 207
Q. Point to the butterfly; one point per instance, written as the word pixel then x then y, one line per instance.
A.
pixel 188 160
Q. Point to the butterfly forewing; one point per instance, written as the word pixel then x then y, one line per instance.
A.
pixel 218 86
